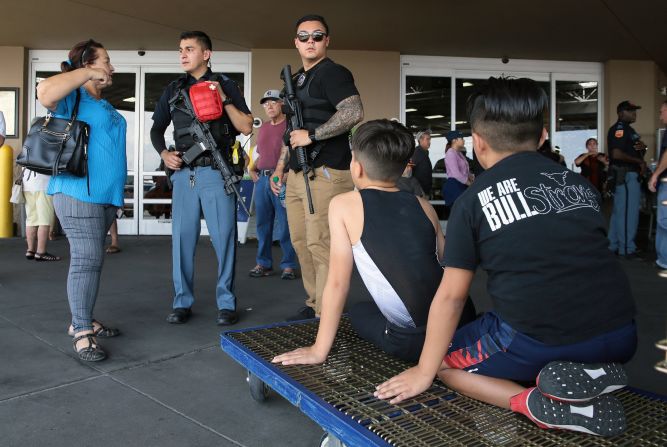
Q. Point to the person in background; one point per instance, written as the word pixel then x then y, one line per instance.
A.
pixel 593 164
pixel 39 215
pixel 658 183
pixel 422 169
pixel 113 232
pixel 457 168
pixel 267 205
pixel 86 206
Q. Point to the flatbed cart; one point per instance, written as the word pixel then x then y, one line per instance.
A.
pixel 338 395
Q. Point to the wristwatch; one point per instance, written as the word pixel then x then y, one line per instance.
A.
pixel 312 136
pixel 227 101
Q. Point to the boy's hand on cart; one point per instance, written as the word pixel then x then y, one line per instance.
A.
pixel 407 384
pixel 302 356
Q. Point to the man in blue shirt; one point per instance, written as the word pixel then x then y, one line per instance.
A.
pixel 199 186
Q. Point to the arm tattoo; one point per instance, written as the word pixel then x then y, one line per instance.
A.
pixel 350 111
pixel 283 160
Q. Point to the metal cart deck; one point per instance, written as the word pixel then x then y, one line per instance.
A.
pixel 338 395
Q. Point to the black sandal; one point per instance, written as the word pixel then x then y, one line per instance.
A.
pixel 46 257
pixel 102 331
pixel 29 255
pixel 91 353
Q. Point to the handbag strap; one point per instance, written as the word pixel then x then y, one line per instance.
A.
pixel 75 112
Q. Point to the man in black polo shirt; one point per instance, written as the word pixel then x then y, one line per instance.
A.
pixel 626 163
pixel 331 107
pixel 199 186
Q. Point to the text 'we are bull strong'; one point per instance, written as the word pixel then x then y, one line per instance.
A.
pixel 508 203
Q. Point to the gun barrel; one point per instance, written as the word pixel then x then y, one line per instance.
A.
pixel 286 75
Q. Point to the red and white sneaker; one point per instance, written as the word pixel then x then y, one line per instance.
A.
pixel 601 416
pixel 580 382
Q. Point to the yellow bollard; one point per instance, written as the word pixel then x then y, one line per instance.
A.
pixel 6 181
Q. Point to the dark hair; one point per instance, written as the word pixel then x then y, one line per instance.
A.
pixel 384 148
pixel 199 36
pixel 508 113
pixel 312 18
pixel 81 54
pixel 591 139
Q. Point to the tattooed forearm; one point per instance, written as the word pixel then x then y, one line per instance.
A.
pixel 350 111
pixel 283 160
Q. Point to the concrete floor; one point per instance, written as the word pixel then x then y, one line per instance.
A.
pixel 172 385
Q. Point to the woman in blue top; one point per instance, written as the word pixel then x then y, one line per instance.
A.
pixel 87 207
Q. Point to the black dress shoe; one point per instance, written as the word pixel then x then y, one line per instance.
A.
pixel 180 315
pixel 227 317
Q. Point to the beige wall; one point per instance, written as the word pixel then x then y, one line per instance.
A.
pixel 13 74
pixel 638 82
pixel 376 74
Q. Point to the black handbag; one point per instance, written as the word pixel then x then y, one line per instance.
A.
pixel 55 145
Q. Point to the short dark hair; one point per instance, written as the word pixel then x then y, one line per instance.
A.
pixel 312 18
pixel 384 148
pixel 200 36
pixel 508 113
pixel 591 139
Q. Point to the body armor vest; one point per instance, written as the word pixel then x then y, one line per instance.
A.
pixel 221 128
pixel 316 111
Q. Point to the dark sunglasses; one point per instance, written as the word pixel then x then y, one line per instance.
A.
pixel 318 36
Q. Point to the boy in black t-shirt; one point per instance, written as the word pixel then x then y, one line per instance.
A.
pixel 535 227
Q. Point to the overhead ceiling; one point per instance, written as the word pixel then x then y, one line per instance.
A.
pixel 578 30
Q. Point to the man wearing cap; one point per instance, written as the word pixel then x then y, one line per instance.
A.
pixel 626 158
pixel 267 204
pixel 458 170
pixel 331 108
pixel 421 163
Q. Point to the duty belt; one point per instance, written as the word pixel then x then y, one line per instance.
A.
pixel 203 160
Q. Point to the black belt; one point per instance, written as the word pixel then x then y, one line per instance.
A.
pixel 202 160
pixel 266 172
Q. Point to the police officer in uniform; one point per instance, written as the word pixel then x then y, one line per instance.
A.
pixel 331 107
pixel 199 186
pixel 626 157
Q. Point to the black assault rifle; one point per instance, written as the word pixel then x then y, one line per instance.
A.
pixel 201 133
pixel 292 108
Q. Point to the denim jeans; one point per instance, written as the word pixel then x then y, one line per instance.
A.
pixel 268 207
pixel 661 227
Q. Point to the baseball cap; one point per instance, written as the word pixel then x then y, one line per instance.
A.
pixel 453 135
pixel 421 133
pixel 626 105
pixel 270 94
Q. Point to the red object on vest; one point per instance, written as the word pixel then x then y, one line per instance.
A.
pixel 206 101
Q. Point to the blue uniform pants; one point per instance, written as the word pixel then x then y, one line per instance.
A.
pixel 196 190
pixel 625 216
pixel 267 209
pixel 661 227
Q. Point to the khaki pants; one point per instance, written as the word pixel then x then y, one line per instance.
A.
pixel 310 232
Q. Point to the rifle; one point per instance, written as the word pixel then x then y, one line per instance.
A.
pixel 292 108
pixel 201 133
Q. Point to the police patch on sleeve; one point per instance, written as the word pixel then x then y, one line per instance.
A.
pixel 619 133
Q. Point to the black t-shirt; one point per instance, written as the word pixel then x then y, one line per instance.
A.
pixel 334 83
pixel 422 169
pixel 536 228
pixel 622 136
